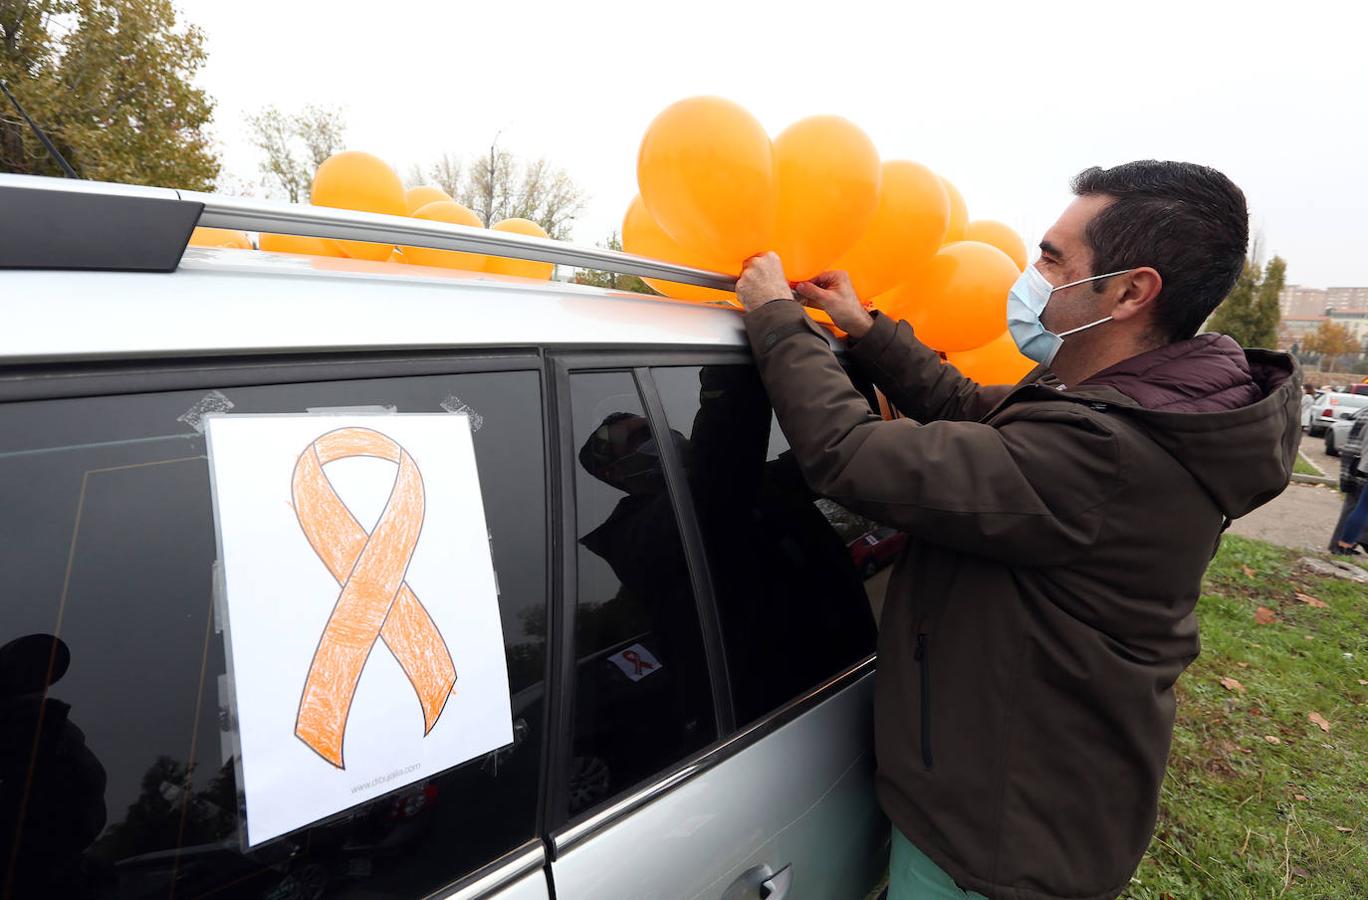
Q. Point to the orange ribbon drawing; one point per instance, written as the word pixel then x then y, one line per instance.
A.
pixel 375 602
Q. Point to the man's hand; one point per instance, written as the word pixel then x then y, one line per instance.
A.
pixel 762 280
pixel 833 293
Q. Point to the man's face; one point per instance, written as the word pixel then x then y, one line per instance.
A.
pixel 1064 258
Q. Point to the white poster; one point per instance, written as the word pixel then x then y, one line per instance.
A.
pixel 361 608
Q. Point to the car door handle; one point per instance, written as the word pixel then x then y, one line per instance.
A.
pixel 776 887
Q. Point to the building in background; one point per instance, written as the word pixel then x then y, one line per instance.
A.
pixel 1346 298
pixel 1298 302
pixel 1294 329
pixel 1303 309
pixel 1356 320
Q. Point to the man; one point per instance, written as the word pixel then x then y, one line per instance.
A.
pixel 1034 629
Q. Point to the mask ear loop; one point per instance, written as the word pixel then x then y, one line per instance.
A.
pixel 1065 334
pixel 1090 278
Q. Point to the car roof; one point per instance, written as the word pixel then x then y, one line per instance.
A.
pixel 224 302
pixel 95 270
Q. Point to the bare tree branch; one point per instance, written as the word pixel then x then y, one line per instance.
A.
pixel 498 185
pixel 295 145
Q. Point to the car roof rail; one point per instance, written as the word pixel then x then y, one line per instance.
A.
pixel 57 223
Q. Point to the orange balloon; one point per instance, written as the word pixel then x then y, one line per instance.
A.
pixel 958 300
pixel 987 231
pixel 643 236
pixel 456 214
pixel 359 181
pixel 996 362
pixel 828 192
pixel 293 243
pixel 415 198
pixel 220 237
pixel 706 173
pixel 908 227
pixel 959 213
pixel 523 268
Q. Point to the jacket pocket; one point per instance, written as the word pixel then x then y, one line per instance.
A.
pixel 923 658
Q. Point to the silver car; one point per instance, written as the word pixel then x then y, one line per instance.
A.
pixel 1337 435
pixel 689 644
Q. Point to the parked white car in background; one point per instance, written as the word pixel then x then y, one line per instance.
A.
pixel 1337 432
pixel 1334 406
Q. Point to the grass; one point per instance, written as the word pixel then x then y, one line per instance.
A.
pixel 1302 467
pixel 1260 801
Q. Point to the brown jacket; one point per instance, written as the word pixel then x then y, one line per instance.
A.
pixel 1035 627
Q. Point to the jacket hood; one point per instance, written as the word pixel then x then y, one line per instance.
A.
pixel 1241 453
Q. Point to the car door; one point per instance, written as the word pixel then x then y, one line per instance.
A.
pixel 116 733
pixel 732 755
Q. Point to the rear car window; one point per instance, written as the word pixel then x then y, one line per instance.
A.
pixel 794 575
pixel 643 697
pixel 116 737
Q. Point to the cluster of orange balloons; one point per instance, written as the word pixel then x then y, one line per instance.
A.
pixel 716 190
pixel 360 181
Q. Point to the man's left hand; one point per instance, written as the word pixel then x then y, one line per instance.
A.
pixel 762 280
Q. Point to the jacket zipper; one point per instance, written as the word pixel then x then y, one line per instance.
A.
pixel 923 658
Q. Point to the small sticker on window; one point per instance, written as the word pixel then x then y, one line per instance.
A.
pixel 454 404
pixel 210 403
pixel 636 662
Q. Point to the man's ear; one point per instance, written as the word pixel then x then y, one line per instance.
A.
pixel 1139 289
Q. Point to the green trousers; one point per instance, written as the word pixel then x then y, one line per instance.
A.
pixel 913 876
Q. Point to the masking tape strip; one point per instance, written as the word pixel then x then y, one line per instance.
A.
pixel 454 404
pixel 210 403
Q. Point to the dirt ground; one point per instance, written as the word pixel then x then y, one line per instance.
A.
pixel 1303 516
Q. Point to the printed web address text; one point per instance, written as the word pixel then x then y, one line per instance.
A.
pixel 366 785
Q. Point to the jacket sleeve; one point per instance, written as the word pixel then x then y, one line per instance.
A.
pixel 913 377
pixel 1029 492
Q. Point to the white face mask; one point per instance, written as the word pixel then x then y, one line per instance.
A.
pixel 1025 303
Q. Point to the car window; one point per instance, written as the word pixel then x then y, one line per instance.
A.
pixel 119 778
pixel 643 698
pixel 792 573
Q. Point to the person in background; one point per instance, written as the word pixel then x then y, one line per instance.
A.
pixel 1352 482
pixel 1059 529
pixel 1308 400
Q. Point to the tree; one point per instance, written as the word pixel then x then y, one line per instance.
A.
pixel 1331 340
pixel 111 82
pixel 499 185
pixel 1267 313
pixel 612 280
pixel 295 145
pixel 1235 314
pixel 1249 313
pixel 445 173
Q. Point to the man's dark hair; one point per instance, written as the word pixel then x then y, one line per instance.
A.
pixel 1188 222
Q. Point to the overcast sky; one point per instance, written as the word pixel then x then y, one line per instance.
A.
pixel 1007 100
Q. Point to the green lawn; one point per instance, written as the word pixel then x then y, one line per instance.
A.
pixel 1302 467
pixel 1260 800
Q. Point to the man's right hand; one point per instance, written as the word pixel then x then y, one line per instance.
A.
pixel 833 293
